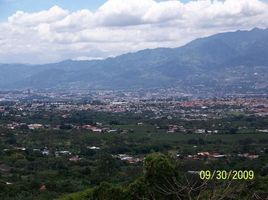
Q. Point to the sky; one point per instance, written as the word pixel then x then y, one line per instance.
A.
pixel 8 7
pixel 56 30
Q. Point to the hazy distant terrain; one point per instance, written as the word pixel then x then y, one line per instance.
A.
pixel 235 61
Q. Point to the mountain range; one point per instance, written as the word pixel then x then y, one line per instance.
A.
pixel 232 61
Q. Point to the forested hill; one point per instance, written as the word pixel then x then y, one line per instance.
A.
pixel 233 61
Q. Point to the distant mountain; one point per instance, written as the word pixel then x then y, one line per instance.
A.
pixel 233 61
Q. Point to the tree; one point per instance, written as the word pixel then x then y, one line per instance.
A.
pixel 107 191
pixel 107 167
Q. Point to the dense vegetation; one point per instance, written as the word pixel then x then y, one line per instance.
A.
pixel 62 159
pixel 162 178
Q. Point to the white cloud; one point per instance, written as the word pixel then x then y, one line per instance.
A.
pixel 120 26
pixel 164 11
pixel 30 19
pixel 122 12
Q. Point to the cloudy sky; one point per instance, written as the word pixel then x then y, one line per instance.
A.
pixel 51 31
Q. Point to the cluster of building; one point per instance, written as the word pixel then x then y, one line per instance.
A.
pixel 189 110
pixel 129 159
pixel 75 158
pixel 208 155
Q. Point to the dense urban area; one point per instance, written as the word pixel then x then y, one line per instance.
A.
pixel 53 144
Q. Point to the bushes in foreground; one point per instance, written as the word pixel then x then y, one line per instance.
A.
pixel 163 179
